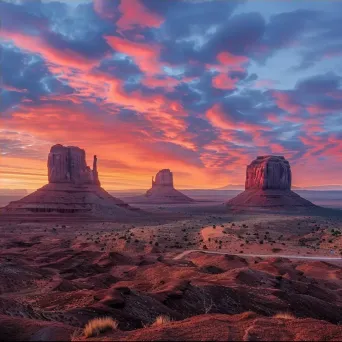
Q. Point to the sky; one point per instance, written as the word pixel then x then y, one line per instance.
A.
pixel 201 87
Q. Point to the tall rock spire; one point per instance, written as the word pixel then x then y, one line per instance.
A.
pixel 95 173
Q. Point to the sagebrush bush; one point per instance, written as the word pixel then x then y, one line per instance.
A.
pixel 284 315
pixel 98 325
pixel 160 320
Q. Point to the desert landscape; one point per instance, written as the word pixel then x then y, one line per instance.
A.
pixel 178 270
pixel 170 170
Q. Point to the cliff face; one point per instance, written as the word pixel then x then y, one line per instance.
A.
pixel 68 165
pixel 268 172
pixel 73 188
pixel 163 178
pixel 268 184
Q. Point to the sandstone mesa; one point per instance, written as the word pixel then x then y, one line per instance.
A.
pixel 268 184
pixel 73 188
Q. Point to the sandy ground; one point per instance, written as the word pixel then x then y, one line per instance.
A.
pixel 57 273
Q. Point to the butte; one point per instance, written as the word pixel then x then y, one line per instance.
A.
pixel 73 188
pixel 268 185
pixel 163 191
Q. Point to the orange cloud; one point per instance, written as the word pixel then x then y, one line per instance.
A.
pixel 138 155
pixel 227 63
pixel 166 82
pixel 144 55
pixel 36 44
pixel 222 120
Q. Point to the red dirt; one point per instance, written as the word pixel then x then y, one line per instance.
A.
pixel 55 278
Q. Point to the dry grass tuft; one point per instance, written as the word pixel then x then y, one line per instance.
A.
pixel 284 315
pixel 98 325
pixel 161 320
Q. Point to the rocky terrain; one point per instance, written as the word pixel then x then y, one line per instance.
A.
pixel 57 277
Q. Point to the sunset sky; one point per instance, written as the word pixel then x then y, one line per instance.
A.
pixel 201 87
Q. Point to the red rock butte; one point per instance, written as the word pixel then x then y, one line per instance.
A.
pixel 268 184
pixel 73 188
pixel 163 191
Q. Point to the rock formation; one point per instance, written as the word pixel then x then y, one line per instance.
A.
pixel 73 188
pixel 163 191
pixel 268 184
pixel 268 172
pixel 163 178
pixel 68 165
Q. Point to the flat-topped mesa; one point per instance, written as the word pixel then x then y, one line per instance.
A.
pixel 67 164
pixel 163 178
pixel 268 185
pixel 73 188
pixel 268 172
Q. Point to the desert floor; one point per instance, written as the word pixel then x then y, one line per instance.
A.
pixel 57 273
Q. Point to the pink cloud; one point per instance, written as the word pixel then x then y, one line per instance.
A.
pixel 223 81
pixel 222 120
pixel 36 44
pixel 144 55
pixel 264 83
pixel 134 13
pixel 228 59
pixel 285 102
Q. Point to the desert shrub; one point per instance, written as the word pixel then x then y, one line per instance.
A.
pixel 161 320
pixel 284 315
pixel 98 325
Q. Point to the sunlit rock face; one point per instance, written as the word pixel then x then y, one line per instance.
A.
pixel 67 164
pixel 268 185
pixel 268 172
pixel 163 178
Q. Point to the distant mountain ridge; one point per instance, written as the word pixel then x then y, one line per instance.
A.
pixel 232 187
